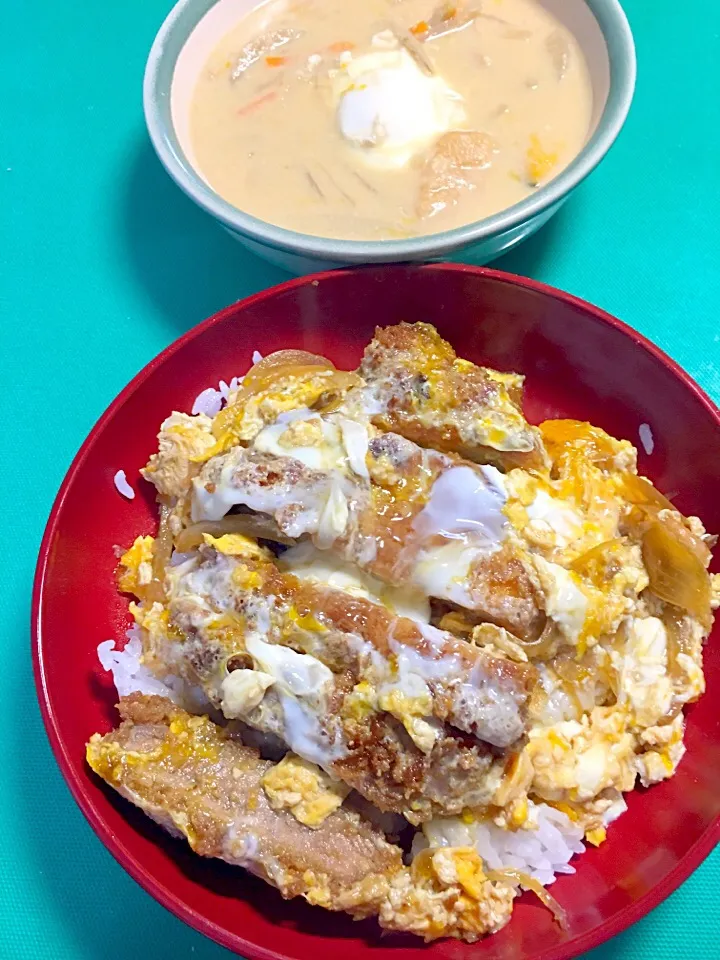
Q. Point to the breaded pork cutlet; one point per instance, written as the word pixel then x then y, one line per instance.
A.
pixel 196 781
pixel 421 517
pixel 413 718
pixel 425 392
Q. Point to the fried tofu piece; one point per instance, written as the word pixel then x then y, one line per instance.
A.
pixel 429 395
pixel 198 782
pixel 444 177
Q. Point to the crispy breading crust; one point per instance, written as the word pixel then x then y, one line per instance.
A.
pixel 198 782
pixel 431 397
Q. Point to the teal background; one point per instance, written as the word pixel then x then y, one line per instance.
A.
pixel 103 262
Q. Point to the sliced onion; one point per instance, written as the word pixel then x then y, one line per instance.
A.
pixel 676 572
pixel 162 551
pixel 517 878
pixel 543 647
pixel 641 492
pixel 677 629
pixel 284 363
pixel 249 524
pixel 593 564
pixel 578 682
pixel 421 867
pixel 596 445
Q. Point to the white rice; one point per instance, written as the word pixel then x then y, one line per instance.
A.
pixel 131 676
pixel 211 400
pixel 543 852
pixel 122 486
pixel 208 402
pixel 646 438
pixel 128 673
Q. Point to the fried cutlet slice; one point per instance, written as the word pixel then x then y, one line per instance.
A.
pixel 424 392
pixel 421 517
pixel 196 781
pixel 356 638
pixel 320 682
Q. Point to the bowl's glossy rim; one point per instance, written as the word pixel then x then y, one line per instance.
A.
pixel 172 36
pixel 78 787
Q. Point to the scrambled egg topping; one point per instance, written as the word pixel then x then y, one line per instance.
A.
pixel 410 711
pixel 271 389
pixel 304 789
pixel 447 893
pixel 643 684
pixel 183 440
pixel 412 706
pixel 621 655
pixel 135 568
pixel 238 545
pixel 243 690
pixel 577 760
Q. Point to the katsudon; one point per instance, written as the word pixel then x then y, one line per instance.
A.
pixel 395 649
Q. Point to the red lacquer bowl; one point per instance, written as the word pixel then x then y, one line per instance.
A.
pixel 579 363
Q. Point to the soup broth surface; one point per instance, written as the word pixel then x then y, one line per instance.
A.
pixel 386 119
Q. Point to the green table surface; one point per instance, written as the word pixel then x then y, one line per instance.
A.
pixel 103 262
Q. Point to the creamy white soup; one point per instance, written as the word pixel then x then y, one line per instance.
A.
pixel 383 119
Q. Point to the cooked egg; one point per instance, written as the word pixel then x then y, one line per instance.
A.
pixel 334 515
pixel 461 866
pixel 303 435
pixel 565 602
pixel 243 690
pixel 301 684
pixel 411 709
pixel 182 441
pixel 304 789
pixel 442 571
pixel 237 545
pixel 355 438
pixel 642 667
pixel 136 566
pixel 308 563
pixel 389 109
pixel 297 674
pixel 548 513
pixel 465 508
pixel 465 504
pixel 577 760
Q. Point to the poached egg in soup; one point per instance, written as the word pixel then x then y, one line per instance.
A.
pixel 385 119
